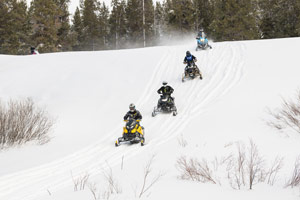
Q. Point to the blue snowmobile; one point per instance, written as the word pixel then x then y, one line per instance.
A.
pixel 202 42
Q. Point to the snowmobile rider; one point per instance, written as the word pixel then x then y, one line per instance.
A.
pixel 133 113
pixel 201 33
pixel 189 59
pixel 33 51
pixel 166 90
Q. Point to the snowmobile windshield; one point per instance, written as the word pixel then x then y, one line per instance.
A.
pixel 164 97
pixel 131 124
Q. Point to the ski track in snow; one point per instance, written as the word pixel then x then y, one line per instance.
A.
pixel 222 68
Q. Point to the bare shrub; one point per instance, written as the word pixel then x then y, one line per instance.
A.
pixel 273 171
pixel 182 142
pixel 80 182
pixel 254 165
pixel 286 116
pixel 195 170
pixel 236 168
pixel 146 184
pixel 22 121
pixel 295 178
pixel 113 186
pixel 94 190
pixel 244 168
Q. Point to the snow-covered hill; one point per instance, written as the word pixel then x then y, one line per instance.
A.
pixel 89 92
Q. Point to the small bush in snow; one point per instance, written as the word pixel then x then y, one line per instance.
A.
pixel 113 186
pixel 245 168
pixel 80 182
pixel 288 116
pixel 195 170
pixel 22 121
pixel 295 178
pixel 147 185
pixel 181 141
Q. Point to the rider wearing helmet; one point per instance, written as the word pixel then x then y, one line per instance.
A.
pixel 201 34
pixel 166 90
pixel 189 59
pixel 133 113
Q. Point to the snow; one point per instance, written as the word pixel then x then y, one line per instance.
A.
pixel 89 92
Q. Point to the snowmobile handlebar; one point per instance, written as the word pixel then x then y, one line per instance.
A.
pixel 137 120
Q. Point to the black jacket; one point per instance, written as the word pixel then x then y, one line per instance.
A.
pixel 165 90
pixel 133 115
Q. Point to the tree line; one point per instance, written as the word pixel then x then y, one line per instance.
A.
pixel 49 26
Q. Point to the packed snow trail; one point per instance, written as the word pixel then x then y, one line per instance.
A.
pixel 222 68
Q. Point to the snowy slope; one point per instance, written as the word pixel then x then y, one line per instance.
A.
pixel 89 92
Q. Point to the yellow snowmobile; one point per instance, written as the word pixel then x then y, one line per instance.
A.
pixel 133 132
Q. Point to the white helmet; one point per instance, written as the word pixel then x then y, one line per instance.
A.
pixel 132 107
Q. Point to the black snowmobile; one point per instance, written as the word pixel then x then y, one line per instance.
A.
pixel 165 104
pixel 191 71
pixel 133 133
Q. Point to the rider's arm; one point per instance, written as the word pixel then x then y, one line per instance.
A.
pixel 159 91
pixel 194 59
pixel 171 89
pixel 126 116
pixel 139 116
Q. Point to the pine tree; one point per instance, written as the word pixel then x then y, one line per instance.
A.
pixel 280 18
pixel 14 27
pixel 204 14
pixel 180 15
pixel 44 18
pixel 235 20
pixel 149 22
pixel 159 21
pixel 117 23
pixel 90 24
pixel 134 18
pixel 77 31
pixel 63 33
pixel 103 21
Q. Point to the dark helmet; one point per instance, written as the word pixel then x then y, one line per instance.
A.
pixel 188 53
pixel 165 83
pixel 132 107
pixel 201 30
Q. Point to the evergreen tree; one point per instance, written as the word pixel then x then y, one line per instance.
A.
pixel 298 17
pixel 204 14
pixel 63 31
pixel 90 24
pixel 77 31
pixel 235 20
pixel 279 18
pixel 117 22
pixel 181 15
pixel 103 21
pixel 14 27
pixel 134 16
pixel 149 22
pixel 159 21
pixel 45 31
